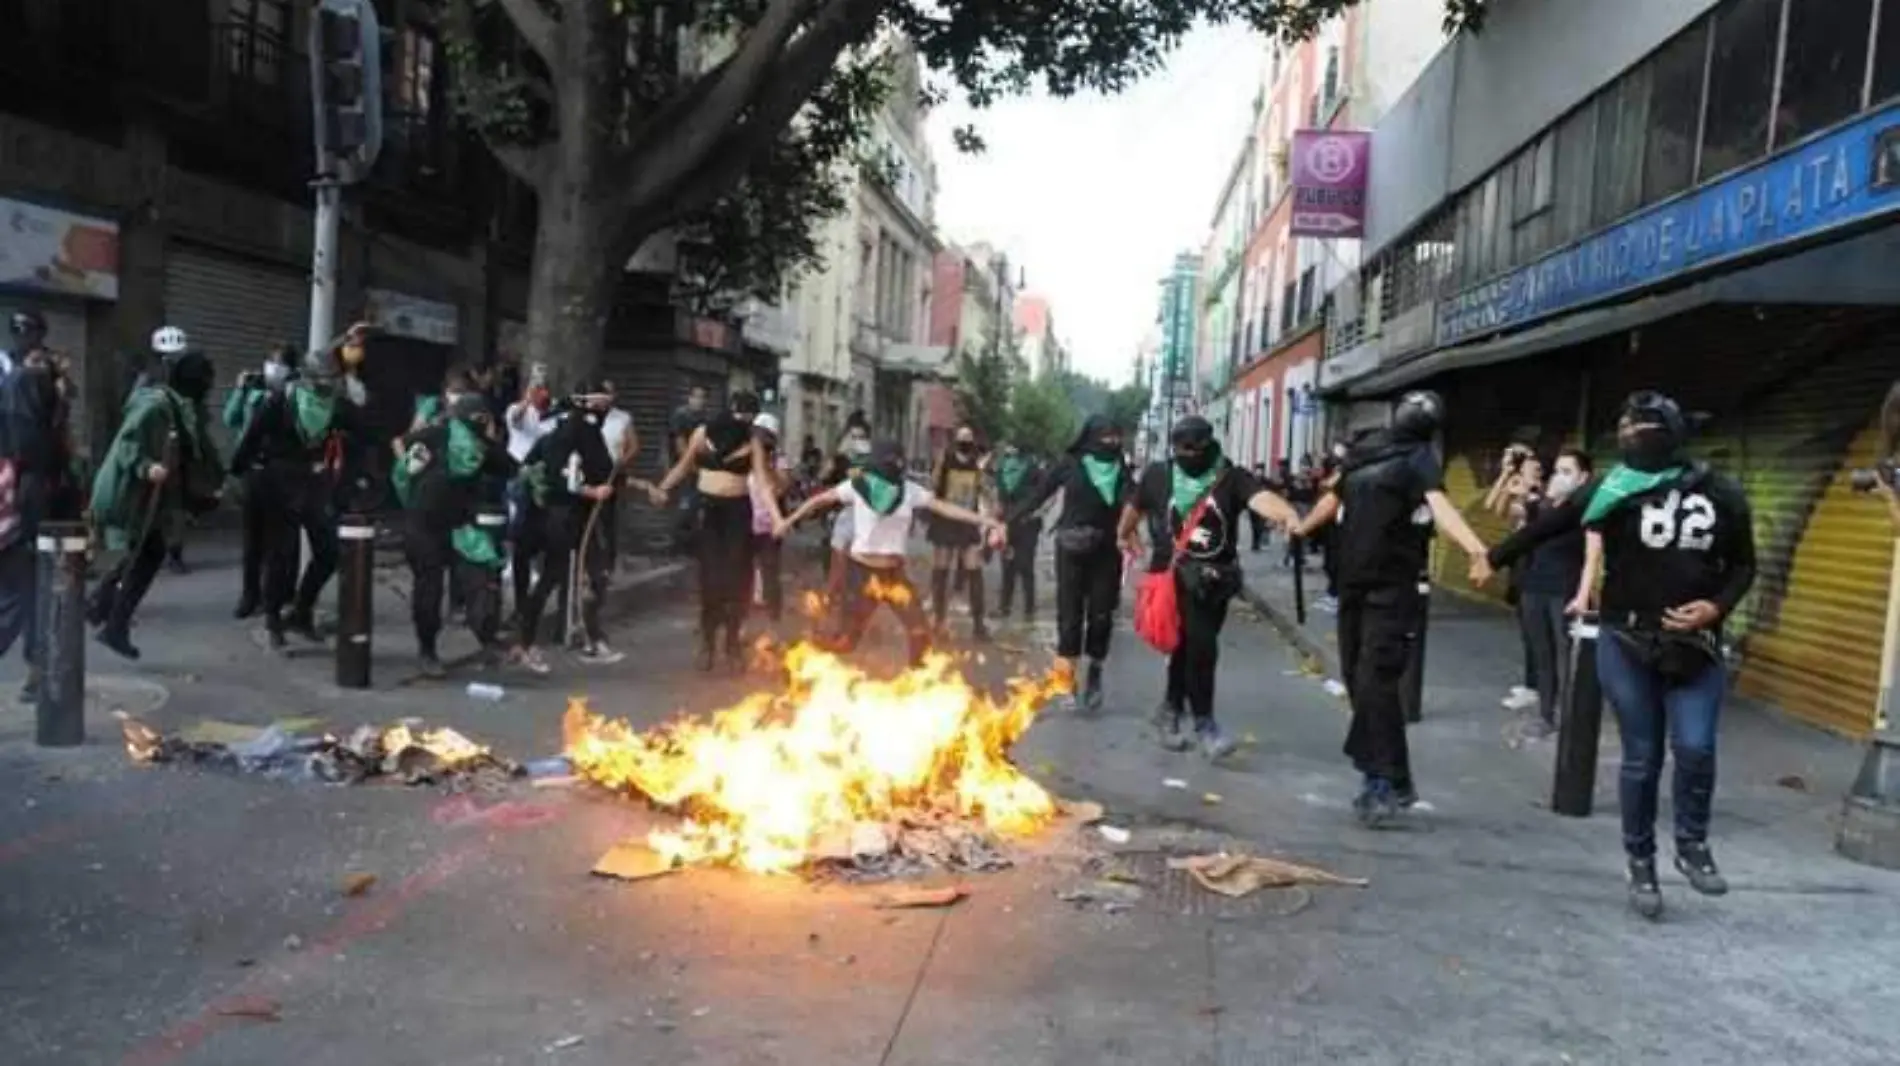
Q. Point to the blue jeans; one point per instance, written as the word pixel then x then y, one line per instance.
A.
pixel 1648 708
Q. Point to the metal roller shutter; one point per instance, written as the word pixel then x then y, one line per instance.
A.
pixel 234 310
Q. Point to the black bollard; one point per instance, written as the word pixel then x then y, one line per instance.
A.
pixel 1298 547
pixel 1574 785
pixel 61 604
pixel 355 599
pixel 1412 685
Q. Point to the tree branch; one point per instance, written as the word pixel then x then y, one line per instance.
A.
pixel 537 27
pixel 525 163
pixel 662 195
pixel 738 80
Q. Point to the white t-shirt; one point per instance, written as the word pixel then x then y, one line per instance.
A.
pixel 881 534
pixel 526 425
pixel 613 431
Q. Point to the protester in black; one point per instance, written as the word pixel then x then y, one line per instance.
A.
pixel 568 475
pixel 1096 485
pixel 291 459
pixel 1389 494
pixel 35 486
pixel 1256 525
pixel 1018 477
pixel 1206 566
pixel 1674 545
pixel 723 456
pixel 956 547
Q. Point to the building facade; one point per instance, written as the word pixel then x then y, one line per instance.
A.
pixel 1715 219
pixel 1177 320
pixel 1036 342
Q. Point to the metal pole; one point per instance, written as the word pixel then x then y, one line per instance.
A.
pixel 356 536
pixel 323 263
pixel 1573 786
pixel 1870 821
pixel 1299 579
pixel 1412 684
pixel 61 603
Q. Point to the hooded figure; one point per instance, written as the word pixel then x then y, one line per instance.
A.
pixel 161 463
pixel 34 470
pixel 1095 485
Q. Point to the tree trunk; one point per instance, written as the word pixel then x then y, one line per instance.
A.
pixel 571 282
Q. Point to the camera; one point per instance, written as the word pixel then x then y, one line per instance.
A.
pixel 1885 472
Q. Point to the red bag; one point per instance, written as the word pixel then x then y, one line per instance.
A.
pixel 1157 608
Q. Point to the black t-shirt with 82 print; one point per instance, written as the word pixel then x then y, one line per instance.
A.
pixel 1213 540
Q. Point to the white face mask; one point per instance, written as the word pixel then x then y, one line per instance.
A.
pixel 275 373
pixel 1561 485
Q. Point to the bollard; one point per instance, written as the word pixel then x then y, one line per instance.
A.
pixel 1412 685
pixel 61 651
pixel 1573 787
pixel 491 519
pixel 1870 816
pixel 355 599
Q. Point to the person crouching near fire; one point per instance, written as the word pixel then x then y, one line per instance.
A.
pixel 882 504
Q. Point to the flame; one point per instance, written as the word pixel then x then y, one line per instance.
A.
pixel 895 593
pixel 760 785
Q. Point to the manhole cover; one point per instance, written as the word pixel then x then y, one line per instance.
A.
pixel 1176 892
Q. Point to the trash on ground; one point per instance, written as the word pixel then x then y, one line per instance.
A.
pixel 1793 782
pixel 1085 812
pixel 405 751
pixel 1212 799
pixel 553 766
pixel 908 898
pixel 1173 782
pixel 216 731
pixel 485 692
pixel 633 861
pixel 1243 875
pixel 1336 688
pixel 1111 896
pixel 567 1042
pixel 1114 834
pixel 256 1008
pixel 356 884
pixel 568 781
pixel 913 846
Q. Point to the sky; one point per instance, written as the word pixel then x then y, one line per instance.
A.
pixel 1095 195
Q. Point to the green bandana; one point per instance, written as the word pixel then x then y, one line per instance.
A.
pixel 1189 490
pixel 314 412
pixel 1010 473
pixel 882 494
pixel 534 479
pixel 465 450
pixel 475 546
pixel 1623 483
pixel 427 406
pixel 1105 475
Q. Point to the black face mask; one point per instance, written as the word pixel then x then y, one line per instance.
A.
pixel 1106 449
pixel 966 448
pixel 1650 450
pixel 1194 464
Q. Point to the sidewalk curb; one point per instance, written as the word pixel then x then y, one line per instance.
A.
pixel 1289 629
pixel 628 594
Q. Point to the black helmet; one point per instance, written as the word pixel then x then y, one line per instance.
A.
pixel 1418 416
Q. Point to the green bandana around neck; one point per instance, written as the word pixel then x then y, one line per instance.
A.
pixel 880 492
pixel 1621 484
pixel 1011 471
pixel 313 411
pixel 472 544
pixel 1187 491
pixel 1105 475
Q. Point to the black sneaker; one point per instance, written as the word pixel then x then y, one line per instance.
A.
pixel 246 608
pixel 176 564
pixel 1405 794
pixel 30 691
pixel 274 640
pixel 1696 864
pixel 1169 731
pixel 1645 892
pixel 432 668
pixel 304 626
pixel 1376 804
pixel 120 641
pixel 1091 700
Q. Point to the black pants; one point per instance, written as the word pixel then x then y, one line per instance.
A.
pixel 433 563
pixel 725 567
pixel 1258 527
pixel 1019 565
pixel 125 585
pixel 1329 559
pixel 559 536
pixel 1191 667
pixel 300 513
pixel 261 508
pixel 1088 589
pixel 1540 615
pixel 19 605
pixel 527 547
pixel 768 561
pixel 865 588
pixel 1377 628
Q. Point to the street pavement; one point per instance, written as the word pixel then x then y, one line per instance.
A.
pixel 150 915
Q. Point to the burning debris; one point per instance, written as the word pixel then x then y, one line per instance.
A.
pixel 404 752
pixel 844 771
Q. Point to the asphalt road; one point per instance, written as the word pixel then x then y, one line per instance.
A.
pixel 159 916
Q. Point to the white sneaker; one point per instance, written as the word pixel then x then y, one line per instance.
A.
pixel 530 659
pixel 600 655
pixel 1520 698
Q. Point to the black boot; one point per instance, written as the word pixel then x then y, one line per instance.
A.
pixel 979 623
pixel 940 596
pixel 1645 892
pixel 247 605
pixel 707 640
pixel 117 636
pixel 1092 688
pixel 1696 864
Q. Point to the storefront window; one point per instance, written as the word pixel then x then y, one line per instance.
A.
pixel 1741 80
pixel 1675 112
pixel 1621 125
pixel 1887 54
pixel 1576 158
pixel 1825 66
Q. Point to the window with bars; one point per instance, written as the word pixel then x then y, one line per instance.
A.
pixel 255 34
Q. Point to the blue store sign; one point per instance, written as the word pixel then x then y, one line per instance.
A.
pixel 1851 175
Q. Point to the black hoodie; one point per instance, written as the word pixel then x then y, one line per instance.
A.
pixel 1384 532
pixel 1083 506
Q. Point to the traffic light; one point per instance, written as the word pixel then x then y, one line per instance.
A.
pixel 346 81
